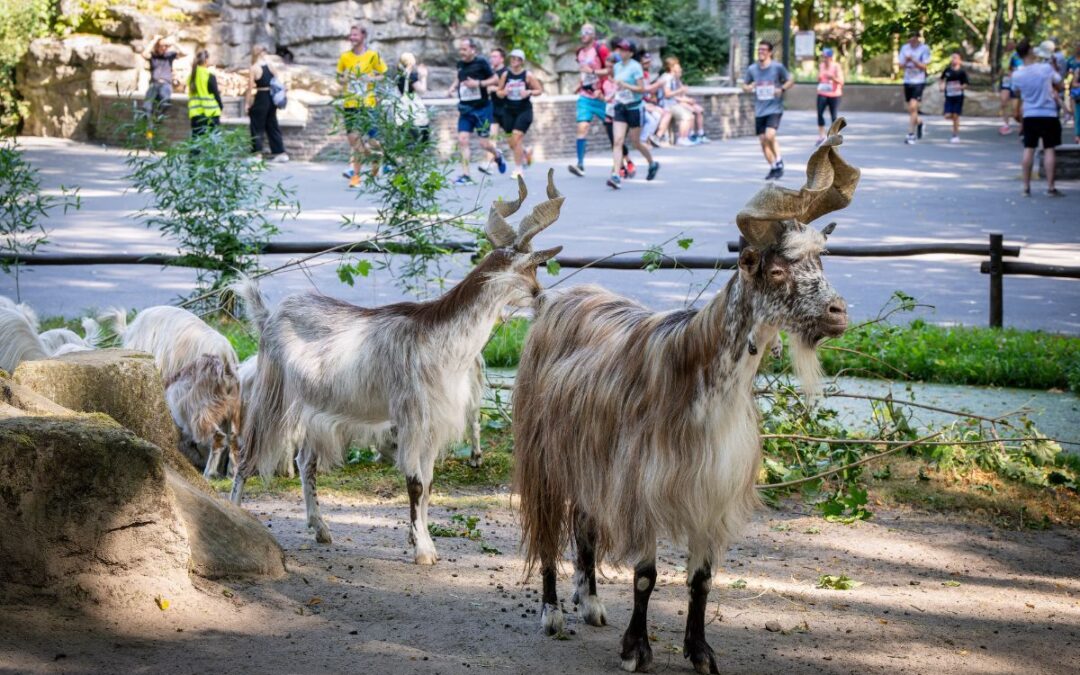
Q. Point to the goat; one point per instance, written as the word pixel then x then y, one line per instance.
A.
pixel 329 371
pixel 26 310
pixel 19 340
pixel 179 341
pixel 631 424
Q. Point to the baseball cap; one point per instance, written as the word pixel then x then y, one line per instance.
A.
pixel 517 53
pixel 1045 49
pixel 624 44
pixel 827 51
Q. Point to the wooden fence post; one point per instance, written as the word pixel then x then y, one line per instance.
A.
pixel 996 277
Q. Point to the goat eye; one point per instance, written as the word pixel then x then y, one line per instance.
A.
pixel 776 274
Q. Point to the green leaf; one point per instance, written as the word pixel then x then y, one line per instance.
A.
pixel 553 267
pixel 685 244
pixel 840 582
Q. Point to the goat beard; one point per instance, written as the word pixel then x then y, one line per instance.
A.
pixel 804 360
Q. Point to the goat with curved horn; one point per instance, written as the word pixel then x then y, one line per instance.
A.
pixel 543 215
pixel 498 231
pixel 830 185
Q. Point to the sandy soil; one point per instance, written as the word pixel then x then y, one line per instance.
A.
pixel 936 597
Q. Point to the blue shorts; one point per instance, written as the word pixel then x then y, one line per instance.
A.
pixel 588 108
pixel 475 120
pixel 954 105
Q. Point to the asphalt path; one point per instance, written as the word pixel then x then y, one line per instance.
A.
pixel 931 192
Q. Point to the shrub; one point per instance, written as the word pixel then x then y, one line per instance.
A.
pixel 21 21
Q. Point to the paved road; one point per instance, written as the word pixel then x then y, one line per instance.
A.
pixel 930 192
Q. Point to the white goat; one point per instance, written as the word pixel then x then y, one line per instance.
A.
pixel 329 371
pixel 19 340
pixel 631 425
pixel 26 310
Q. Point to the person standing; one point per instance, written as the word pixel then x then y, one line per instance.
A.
pixel 262 113
pixel 1036 84
pixel 204 99
pixel 517 88
pixel 1005 92
pixel 1072 68
pixel 357 72
pixel 954 81
pixel 914 59
pixel 161 54
pixel 830 87
pixel 629 78
pixel 411 85
pixel 592 58
pixel 474 76
pixel 768 81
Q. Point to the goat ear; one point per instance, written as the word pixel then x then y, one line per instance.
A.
pixel 749 261
pixel 540 257
pixel 828 229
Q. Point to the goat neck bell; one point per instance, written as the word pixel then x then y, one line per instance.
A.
pixel 830 186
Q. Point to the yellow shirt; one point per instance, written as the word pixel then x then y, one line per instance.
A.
pixel 356 68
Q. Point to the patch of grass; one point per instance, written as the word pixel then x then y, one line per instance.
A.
pixel 503 350
pixel 239 335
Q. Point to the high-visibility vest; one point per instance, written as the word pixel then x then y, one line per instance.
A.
pixel 200 101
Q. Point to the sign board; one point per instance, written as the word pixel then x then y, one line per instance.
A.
pixel 804 44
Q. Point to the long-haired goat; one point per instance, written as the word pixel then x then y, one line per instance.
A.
pixel 18 340
pixel 631 425
pixel 203 393
pixel 329 370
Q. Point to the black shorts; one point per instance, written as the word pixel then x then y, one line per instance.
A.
pixel 954 105
pixel 632 116
pixel 517 120
pixel 358 121
pixel 767 122
pixel 1046 128
pixel 913 91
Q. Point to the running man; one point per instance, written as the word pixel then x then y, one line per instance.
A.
pixel 517 88
pixel 629 78
pixel 357 72
pixel 1005 91
pixel 592 59
pixel 954 82
pixel 914 59
pixel 768 81
pixel 474 76
pixel 1037 84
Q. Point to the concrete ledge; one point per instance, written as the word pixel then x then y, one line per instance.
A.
pixel 1068 161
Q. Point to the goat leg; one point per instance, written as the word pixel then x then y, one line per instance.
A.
pixel 419 537
pixel 551 617
pixel 695 648
pixel 309 465
pixel 636 652
pixel 476 456
pixel 589 606
pixel 213 460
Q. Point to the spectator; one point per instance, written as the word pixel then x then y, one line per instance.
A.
pixel 357 72
pixel 914 59
pixel 1005 91
pixel 261 110
pixel 688 116
pixel 768 81
pixel 954 82
pixel 204 99
pixel 1072 67
pixel 1037 83
pixel 412 84
pixel 654 113
pixel 830 88
pixel 161 54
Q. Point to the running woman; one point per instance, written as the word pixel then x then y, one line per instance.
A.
pixel 768 80
pixel 474 76
pixel 954 82
pixel 830 87
pixel 517 88
pixel 1072 69
pixel 497 59
pixel 357 71
pixel 914 59
pixel 630 86
pixel 592 58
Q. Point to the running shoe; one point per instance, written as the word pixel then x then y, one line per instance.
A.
pixel 685 143
pixel 780 165
pixel 517 173
pixel 500 162
pixel 614 182
pixel 354 182
pixel 1054 192
pixel 704 139
pixel 1005 130
pixel 910 140
pixel 772 174
pixel 779 172
pixel 954 139
pixel 279 158
pixel 631 170
pixel 653 168
pixel 464 179
pixel 918 131
pixel 348 174
pixel 622 172
pixel 577 170
pixel 528 156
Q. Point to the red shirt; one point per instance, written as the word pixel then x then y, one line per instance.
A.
pixel 826 76
pixel 593 56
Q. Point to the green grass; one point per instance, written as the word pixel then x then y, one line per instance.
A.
pixel 240 336
pixel 503 350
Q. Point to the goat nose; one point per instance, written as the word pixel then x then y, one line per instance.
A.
pixel 837 307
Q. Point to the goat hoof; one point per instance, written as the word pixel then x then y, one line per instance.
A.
pixel 636 653
pixel 592 611
pixel 476 462
pixel 701 656
pixel 322 532
pixel 425 558
pixel 552 619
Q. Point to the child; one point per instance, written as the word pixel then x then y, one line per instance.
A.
pixel 953 82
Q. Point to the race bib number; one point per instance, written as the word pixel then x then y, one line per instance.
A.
pixel 823 88
pixel 624 96
pixel 468 93
pixel 609 110
pixel 953 88
pixel 765 91
pixel 1006 82
pixel 589 79
pixel 515 90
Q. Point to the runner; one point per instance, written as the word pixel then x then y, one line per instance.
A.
pixel 1037 84
pixel 592 59
pixel 474 76
pixel 830 88
pixel 954 82
pixel 914 58
pixel 1072 67
pixel 1005 91
pixel 497 59
pixel 517 88
pixel 357 72
pixel 768 81
pixel 630 86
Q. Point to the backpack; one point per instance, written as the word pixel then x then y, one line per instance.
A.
pixel 410 109
pixel 277 93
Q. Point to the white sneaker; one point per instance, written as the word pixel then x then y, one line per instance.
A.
pixel 685 143
pixel 279 159
pixel 954 139
pixel 703 139
pixel 910 140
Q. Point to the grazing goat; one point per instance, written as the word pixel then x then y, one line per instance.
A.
pixel 59 341
pixel 329 371
pixel 631 425
pixel 203 393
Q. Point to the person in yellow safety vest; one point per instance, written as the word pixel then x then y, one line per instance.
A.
pixel 204 99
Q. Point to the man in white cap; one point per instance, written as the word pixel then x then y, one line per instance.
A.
pixel 914 59
pixel 1037 85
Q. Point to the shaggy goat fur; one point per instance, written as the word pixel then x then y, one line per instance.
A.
pixel 631 425
pixel 175 336
pixel 26 310
pixel 18 340
pixel 330 371
pixel 69 341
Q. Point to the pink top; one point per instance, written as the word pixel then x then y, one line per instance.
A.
pixel 830 80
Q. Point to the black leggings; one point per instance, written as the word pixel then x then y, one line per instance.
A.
pixel 830 102
pixel 264 120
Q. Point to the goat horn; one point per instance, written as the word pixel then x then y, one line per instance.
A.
pixel 830 185
pixel 543 215
pixel 498 231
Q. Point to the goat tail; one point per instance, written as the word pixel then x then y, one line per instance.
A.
pixel 92 331
pixel 263 422
pixel 116 317
pixel 247 289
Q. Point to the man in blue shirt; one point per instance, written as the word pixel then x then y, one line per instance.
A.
pixel 768 81
pixel 1036 83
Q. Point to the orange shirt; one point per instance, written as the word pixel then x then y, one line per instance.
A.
pixel 830 80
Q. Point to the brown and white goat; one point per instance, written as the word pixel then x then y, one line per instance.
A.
pixel 631 425
pixel 203 393
pixel 329 371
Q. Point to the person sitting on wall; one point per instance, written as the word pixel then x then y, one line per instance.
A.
pixel 161 52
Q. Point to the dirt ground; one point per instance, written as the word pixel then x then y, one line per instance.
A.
pixel 937 596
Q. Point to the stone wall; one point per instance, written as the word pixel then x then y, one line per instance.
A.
pixel 890 98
